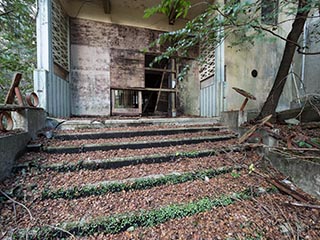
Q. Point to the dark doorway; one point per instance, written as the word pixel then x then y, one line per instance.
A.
pixel 155 98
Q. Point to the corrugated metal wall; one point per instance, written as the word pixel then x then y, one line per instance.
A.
pixel 208 98
pixel 53 92
pixel 58 97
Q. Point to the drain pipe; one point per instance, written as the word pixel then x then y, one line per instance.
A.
pixel 303 63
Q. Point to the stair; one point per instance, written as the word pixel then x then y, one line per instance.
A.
pixel 155 181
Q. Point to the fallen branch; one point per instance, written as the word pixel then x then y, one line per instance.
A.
pixel 14 201
pixel 62 230
pixel 286 189
pixel 296 204
pixel 31 218
pixel 313 144
pixel 287 150
pixel 311 125
pixel 250 132
pixel 290 140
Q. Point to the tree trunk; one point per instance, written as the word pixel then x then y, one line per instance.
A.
pixel 270 105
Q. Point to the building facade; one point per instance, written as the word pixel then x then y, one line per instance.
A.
pixel 94 59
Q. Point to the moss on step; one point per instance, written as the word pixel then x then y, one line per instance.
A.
pixel 134 184
pixel 121 222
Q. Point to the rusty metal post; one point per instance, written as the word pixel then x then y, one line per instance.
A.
pixel 18 95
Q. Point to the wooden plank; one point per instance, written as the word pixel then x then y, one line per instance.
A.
pixel 140 102
pixel 13 107
pixel 15 83
pixel 159 70
pixel 159 93
pixel 171 90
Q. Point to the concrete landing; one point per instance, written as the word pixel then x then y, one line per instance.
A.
pixel 73 124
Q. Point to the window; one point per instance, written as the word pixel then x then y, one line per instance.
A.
pixel 269 12
pixel 125 99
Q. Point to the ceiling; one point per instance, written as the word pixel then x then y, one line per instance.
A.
pixel 129 12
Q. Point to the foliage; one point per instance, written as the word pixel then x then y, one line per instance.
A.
pixel 251 168
pixel 235 174
pixel 131 220
pixel 242 23
pixel 180 8
pixel 17 42
pixel 139 184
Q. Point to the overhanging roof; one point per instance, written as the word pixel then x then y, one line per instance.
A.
pixel 128 12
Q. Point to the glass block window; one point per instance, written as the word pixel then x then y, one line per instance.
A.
pixel 60 39
pixel 207 65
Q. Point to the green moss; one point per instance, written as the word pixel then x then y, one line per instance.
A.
pixel 139 184
pixel 121 222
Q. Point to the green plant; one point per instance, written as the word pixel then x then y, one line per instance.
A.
pixel 143 218
pixel 139 184
pixel 251 168
pixel 171 8
pixel 315 140
pixel 304 144
pixel 235 174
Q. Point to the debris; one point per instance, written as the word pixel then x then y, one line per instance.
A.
pixel 292 121
pixel 296 204
pixel 290 142
pixel 290 184
pixel 310 125
pixel 250 132
pixel 131 229
pixel 287 189
pixel 285 229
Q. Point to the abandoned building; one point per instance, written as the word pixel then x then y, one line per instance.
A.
pixel 92 61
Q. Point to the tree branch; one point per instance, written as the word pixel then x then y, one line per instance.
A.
pixel 277 35
pixel 5 13
pixel 299 50
pixel 14 201
pixel 307 53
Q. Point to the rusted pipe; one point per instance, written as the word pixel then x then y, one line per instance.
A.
pixel 18 95
pixel 32 99
pixel 244 104
pixel 6 122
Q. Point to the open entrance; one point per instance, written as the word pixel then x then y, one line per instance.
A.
pixel 159 78
pixel 156 98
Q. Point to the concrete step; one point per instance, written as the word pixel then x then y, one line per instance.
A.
pixel 134 184
pixel 136 133
pixel 129 145
pixel 112 163
pixel 105 123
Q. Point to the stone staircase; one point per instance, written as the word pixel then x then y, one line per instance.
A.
pixel 154 181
